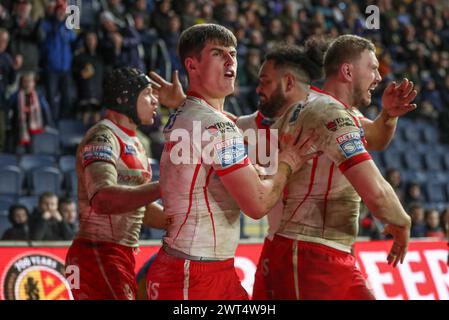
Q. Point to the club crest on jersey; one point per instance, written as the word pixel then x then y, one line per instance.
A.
pixel 171 120
pixel 213 130
pixel 129 149
pixel 295 114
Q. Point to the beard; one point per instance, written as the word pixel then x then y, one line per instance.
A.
pixel 360 99
pixel 272 105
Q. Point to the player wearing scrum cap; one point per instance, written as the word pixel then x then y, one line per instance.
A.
pixel 113 189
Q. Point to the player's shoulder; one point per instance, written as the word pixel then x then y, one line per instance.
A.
pixel 246 121
pixel 100 134
pixel 319 101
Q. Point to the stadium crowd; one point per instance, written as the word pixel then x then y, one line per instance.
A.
pixel 50 73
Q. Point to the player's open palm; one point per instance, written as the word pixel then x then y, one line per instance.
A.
pixel 401 238
pixel 170 94
pixel 397 98
pixel 299 150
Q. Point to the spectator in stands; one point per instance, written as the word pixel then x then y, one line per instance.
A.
pixel 413 194
pixel 171 41
pixel 18 216
pixel 419 228
pixel 188 15
pixel 371 227
pixel 25 37
pixel 47 222
pixel 433 225
pixel 30 114
pixel 88 70
pixel 89 13
pixel 67 208
pixel 119 43
pixel 8 69
pixel 431 94
pixel 161 16
pixel 393 176
pixel 57 58
pixel 140 8
pixel 445 221
pixel 117 8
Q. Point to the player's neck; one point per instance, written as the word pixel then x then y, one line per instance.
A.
pixel 339 90
pixel 214 102
pixel 121 120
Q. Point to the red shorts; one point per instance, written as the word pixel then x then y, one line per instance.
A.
pixel 262 289
pixel 311 271
pixel 106 270
pixel 173 278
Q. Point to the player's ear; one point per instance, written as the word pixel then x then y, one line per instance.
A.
pixel 190 64
pixel 289 80
pixel 346 71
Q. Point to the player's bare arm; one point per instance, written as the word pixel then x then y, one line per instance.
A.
pixel 382 201
pixel 260 195
pixel 396 102
pixel 155 217
pixel 117 199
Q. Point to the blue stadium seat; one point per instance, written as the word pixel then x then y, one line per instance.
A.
pixel 31 161
pixel 30 202
pixel 46 143
pixel 155 169
pixel 4 225
pixel 46 179
pixel 71 182
pixel 5 203
pixel 412 135
pixel 436 176
pixel 430 134
pixel 446 161
pixel 72 132
pixel 8 159
pixel 435 192
pixel 432 161
pixel 413 160
pixel 67 163
pixel 376 158
pixel 392 159
pixel 418 176
pixel 11 180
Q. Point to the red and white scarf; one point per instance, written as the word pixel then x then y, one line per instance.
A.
pixel 30 116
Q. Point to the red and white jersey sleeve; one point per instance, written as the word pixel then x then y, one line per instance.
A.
pixel 122 156
pixel 201 144
pixel 322 206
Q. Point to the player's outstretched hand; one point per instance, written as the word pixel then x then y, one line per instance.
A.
pixel 299 150
pixel 397 98
pixel 170 94
pixel 401 237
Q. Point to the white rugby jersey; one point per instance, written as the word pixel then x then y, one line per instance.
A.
pixel 107 143
pixel 322 206
pixel 206 219
pixel 257 121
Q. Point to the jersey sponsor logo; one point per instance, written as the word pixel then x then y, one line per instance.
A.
pixel 352 147
pixel 338 123
pixel 129 149
pixel 230 151
pixel 295 114
pixel 93 153
pixel 348 136
pixel 221 127
pixel 35 277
